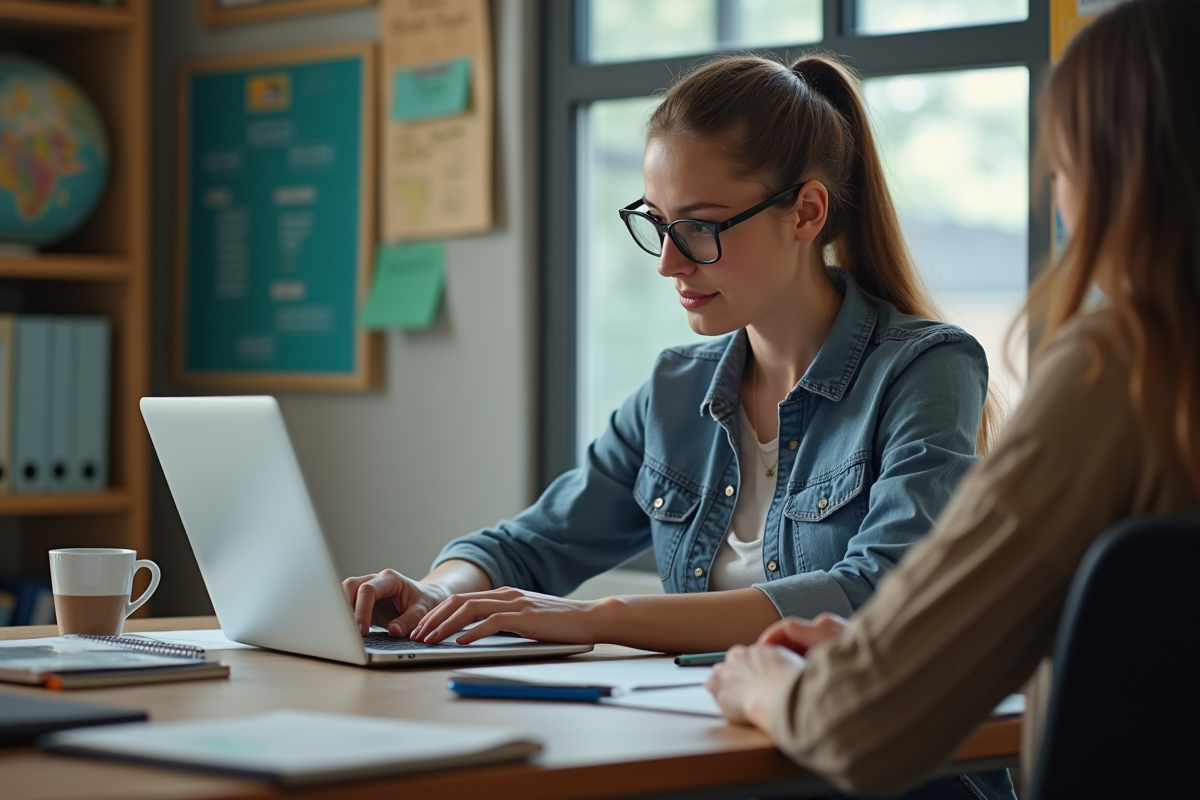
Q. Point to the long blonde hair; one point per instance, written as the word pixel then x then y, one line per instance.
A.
pixel 1121 116
pixel 778 124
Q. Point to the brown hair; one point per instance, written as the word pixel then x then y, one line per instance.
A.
pixel 780 125
pixel 1120 117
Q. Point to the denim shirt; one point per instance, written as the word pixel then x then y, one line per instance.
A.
pixel 873 440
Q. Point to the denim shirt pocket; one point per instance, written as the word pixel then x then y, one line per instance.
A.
pixel 824 494
pixel 671 505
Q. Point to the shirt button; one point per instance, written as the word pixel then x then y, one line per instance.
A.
pixel 793 444
pixel 822 503
pixel 658 502
pixel 698 572
pixel 729 491
pixel 772 566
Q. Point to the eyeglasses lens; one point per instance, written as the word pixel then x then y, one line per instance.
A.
pixel 645 234
pixel 697 242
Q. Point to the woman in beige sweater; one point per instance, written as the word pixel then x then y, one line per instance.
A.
pixel 1109 428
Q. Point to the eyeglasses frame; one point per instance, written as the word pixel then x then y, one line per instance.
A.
pixel 668 229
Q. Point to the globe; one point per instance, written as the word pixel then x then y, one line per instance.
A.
pixel 53 155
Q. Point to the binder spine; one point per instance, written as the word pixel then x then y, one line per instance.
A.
pixel 63 389
pixel 31 426
pixel 91 412
pixel 7 357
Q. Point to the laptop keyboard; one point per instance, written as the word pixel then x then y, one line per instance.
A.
pixel 384 642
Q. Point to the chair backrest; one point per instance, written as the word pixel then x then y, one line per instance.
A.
pixel 1124 713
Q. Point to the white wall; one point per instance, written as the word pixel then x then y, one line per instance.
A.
pixel 447 445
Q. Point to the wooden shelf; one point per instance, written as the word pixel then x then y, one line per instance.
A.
pixel 57 17
pixel 66 267
pixel 102 269
pixel 111 502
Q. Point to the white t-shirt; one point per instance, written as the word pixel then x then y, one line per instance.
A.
pixel 738 564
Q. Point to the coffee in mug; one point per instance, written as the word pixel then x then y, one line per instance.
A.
pixel 92 586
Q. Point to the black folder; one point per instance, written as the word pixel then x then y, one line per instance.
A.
pixel 24 718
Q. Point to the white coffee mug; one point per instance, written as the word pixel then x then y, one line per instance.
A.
pixel 92 587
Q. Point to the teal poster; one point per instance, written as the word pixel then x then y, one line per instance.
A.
pixel 274 203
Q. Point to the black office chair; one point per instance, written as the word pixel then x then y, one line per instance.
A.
pixel 1124 713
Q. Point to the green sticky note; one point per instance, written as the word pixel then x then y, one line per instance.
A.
pixel 432 90
pixel 407 287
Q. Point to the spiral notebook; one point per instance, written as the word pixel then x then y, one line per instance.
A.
pixel 82 661
pixel 139 644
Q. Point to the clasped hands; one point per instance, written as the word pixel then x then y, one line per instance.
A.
pixel 429 613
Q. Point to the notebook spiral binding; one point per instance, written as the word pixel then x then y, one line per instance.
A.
pixel 148 646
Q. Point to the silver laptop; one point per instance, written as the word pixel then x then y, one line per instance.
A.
pixel 237 484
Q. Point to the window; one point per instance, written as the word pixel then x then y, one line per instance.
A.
pixel 955 147
pixel 875 17
pixel 949 92
pixel 636 30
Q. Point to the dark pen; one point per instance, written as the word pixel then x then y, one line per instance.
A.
pixel 699 659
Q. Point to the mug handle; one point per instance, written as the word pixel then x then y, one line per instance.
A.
pixel 155 577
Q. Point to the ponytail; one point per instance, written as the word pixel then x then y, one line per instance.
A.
pixel 809 122
pixel 864 228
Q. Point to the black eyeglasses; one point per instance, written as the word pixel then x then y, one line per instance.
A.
pixel 698 239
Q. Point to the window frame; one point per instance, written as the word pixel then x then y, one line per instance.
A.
pixel 569 83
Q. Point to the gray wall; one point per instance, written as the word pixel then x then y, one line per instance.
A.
pixel 447 444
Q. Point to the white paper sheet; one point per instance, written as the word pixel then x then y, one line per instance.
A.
pixel 694 700
pixel 617 674
pixel 208 639
pixel 698 701
pixel 1011 706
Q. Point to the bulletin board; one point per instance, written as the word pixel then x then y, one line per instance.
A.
pixel 436 119
pixel 275 223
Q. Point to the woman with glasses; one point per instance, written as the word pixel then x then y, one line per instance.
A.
pixel 785 466
pixel 1109 428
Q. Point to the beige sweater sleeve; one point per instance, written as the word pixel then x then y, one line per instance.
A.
pixel 973 608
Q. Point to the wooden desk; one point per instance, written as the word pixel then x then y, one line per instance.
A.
pixel 591 751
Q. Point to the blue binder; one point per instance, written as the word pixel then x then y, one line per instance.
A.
pixel 93 355
pixel 8 332
pixel 63 369
pixel 31 423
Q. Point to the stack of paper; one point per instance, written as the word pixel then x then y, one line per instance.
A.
pixel 298 748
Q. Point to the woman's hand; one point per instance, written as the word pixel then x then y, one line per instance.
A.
pixel 398 603
pixel 534 616
pixel 750 677
pixel 390 600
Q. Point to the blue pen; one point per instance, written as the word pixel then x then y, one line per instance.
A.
pixel 520 691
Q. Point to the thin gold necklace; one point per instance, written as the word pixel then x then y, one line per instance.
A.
pixel 758 448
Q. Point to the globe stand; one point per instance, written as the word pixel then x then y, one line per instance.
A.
pixel 16 250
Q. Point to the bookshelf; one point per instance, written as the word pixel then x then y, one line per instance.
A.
pixel 103 268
